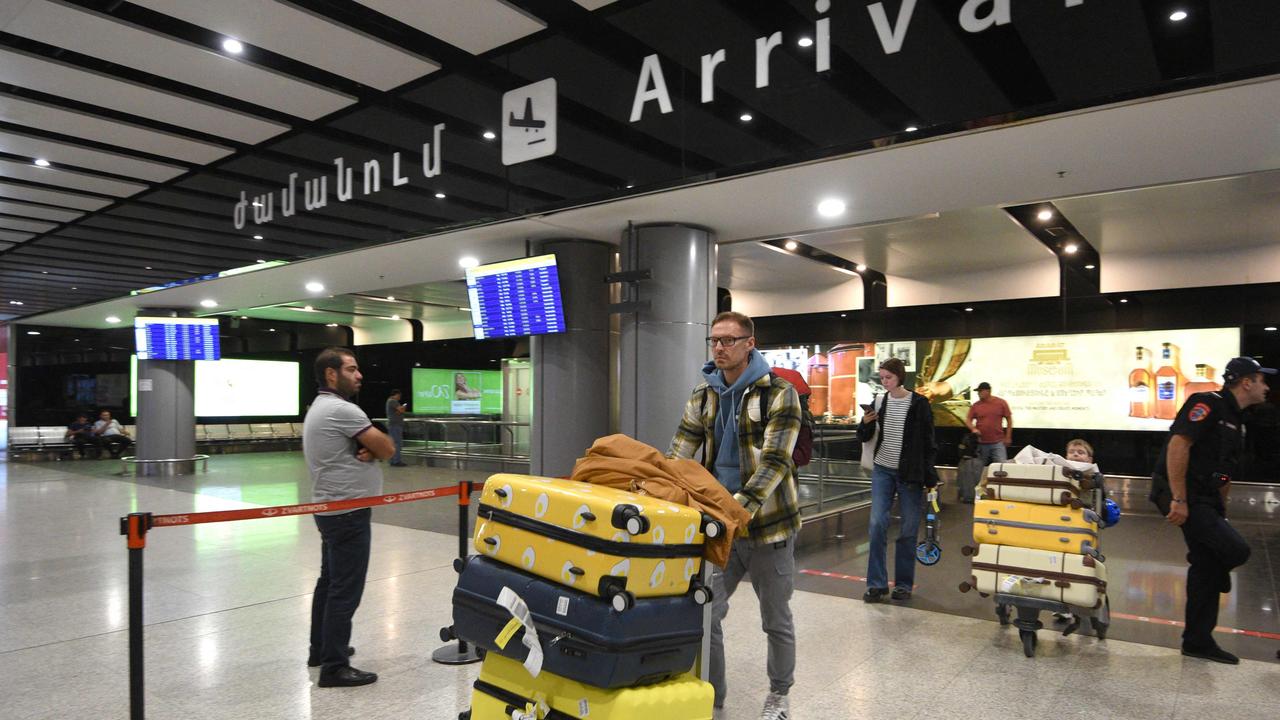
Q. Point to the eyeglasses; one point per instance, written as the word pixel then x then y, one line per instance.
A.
pixel 728 342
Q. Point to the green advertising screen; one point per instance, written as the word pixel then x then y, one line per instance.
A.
pixel 456 392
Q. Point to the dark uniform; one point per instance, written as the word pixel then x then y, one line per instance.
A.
pixel 1213 422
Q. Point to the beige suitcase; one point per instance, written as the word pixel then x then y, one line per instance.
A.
pixel 1064 577
pixel 1042 484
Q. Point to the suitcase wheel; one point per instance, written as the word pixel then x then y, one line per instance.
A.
pixel 968 550
pixel 465 715
pixel 702 595
pixel 965 587
pixel 711 527
pixel 458 564
pixel 447 634
pixel 622 601
pixel 628 517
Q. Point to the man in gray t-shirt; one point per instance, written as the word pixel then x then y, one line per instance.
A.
pixel 395 426
pixel 341 446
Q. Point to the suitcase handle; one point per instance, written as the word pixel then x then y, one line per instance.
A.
pixel 500 493
pixel 587 515
pixel 1000 473
pixel 491 541
pixel 573 570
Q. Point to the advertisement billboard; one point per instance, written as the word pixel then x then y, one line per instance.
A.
pixel 456 392
pixel 237 388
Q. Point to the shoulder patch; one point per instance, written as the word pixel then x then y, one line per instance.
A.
pixel 1199 412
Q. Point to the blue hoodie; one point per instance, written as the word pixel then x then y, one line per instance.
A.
pixel 727 468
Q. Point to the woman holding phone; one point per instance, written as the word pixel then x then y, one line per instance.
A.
pixel 904 455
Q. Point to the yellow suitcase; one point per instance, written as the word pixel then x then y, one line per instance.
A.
pixel 1041 527
pixel 600 540
pixel 505 690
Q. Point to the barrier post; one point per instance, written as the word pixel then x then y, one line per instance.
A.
pixel 134 527
pixel 462 653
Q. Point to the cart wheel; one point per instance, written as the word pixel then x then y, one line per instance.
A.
pixel 464 715
pixel 1028 642
pixel 1002 612
pixel 1099 628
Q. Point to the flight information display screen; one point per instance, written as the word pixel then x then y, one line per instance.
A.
pixel 177 338
pixel 517 297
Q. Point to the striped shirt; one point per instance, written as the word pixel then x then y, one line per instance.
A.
pixel 893 420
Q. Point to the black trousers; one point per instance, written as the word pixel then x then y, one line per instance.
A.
pixel 344 562
pixel 1214 549
pixel 115 444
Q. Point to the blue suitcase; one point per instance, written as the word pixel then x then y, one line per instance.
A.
pixel 582 637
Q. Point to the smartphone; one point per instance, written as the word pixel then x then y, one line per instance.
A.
pixel 865 408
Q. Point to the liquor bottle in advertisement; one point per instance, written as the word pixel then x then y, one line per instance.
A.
pixel 1170 382
pixel 1142 387
pixel 1203 381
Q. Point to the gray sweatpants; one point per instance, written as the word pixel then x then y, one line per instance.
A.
pixel 773 569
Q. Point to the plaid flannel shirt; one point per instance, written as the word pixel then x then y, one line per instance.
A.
pixel 764 450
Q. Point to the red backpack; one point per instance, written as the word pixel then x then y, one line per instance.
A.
pixel 803 452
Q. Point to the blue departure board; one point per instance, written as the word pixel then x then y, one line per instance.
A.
pixel 517 297
pixel 177 338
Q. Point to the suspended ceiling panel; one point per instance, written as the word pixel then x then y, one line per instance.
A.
pixel 89 127
pixel 60 153
pixel 51 197
pixel 86 86
pixel 11 238
pixel 298 34
pixel 104 37
pixel 68 179
pixel 36 211
pixel 11 223
pixel 476 26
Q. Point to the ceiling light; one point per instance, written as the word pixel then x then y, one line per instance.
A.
pixel 630 186
pixel 331 324
pixel 489 135
pixel 271 329
pixel 1044 215
pixel 260 260
pixel 209 302
pixel 1178 15
pixel 1089 267
pixel 42 162
pixel 113 319
pixel 1270 328
pixel 308 308
pixel 911 128
pixel 831 207
pixel 468 262
pixel 1124 300
pixel 33 332
pixel 257 203
pixel 792 245
pixel 233 46
pixel 861 268
pixel 1071 248
pixel 440 196
pixel 395 317
pixel 844 314
pixel 75 288
pixel 44 272
pixel 805 42
pixel 244 317
pixel 16 302
pixel 314 286
pixel 968 309
pixel 391 298
pixel 745 117
pixel 257 237
pixel 148 267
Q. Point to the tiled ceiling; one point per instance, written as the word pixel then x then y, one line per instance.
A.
pixel 152 130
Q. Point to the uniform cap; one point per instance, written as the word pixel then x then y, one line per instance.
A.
pixel 1244 367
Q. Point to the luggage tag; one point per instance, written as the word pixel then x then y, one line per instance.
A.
pixel 511 602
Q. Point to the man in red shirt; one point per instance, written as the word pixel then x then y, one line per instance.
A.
pixel 991 419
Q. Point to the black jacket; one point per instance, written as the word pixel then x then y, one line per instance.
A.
pixel 916 464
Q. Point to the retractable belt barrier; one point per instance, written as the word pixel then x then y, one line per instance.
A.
pixel 135 526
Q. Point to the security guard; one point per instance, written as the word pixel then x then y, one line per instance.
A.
pixel 1190 486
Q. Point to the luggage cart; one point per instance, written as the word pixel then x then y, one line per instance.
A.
pixel 1024 612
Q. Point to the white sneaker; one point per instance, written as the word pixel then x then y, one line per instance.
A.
pixel 776 707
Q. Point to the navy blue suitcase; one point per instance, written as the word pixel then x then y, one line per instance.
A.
pixel 582 637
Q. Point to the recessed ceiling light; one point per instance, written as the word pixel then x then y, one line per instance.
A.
pixel 260 260
pixel 844 314
pixel 630 186
pixel 1270 328
pixel 75 288
pixel 44 272
pixel 1124 300
pixel 1071 248
pixel 33 332
pixel 1178 15
pixel 1044 215
pixel 244 317
pixel 148 267
pixel 1089 267
pixel 208 302
pixel 489 135
pixel 308 308
pixel 861 268
pixel 314 286
pixel 42 162
pixel 331 324
pixel 746 117
pixel 271 329
pixel 16 302
pixel 391 298
pixel 968 309
pixel 257 237
pixel 468 262
pixel 792 245
pixel 113 319
pixel 831 207
pixel 911 128
pixel 233 46
pixel 440 196
pixel 805 42
pixel 257 203
pixel 395 317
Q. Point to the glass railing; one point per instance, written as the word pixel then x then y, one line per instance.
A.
pixel 834 479
pixel 466 438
